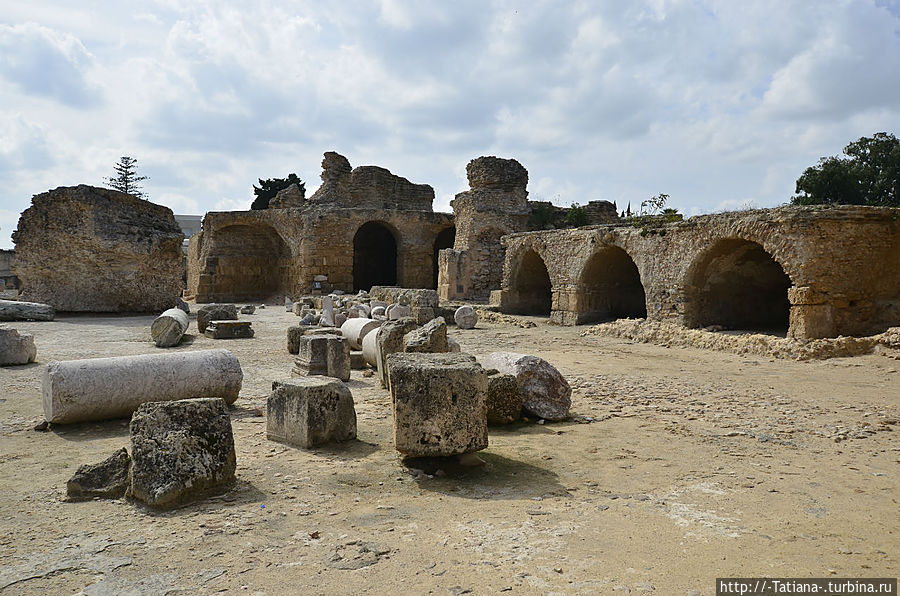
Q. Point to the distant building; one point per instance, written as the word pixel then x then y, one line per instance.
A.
pixel 190 225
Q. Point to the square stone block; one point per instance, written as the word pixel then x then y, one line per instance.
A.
pixel 310 411
pixel 325 354
pixel 228 329
pixel 439 403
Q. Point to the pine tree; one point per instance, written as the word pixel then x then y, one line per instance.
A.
pixel 126 179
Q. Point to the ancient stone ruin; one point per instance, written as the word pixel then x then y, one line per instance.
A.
pixel 88 249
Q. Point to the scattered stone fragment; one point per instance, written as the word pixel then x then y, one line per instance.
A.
pixel 327 317
pixel 357 361
pixel 465 317
pixel 431 338
pixel 288 304
pixel 310 411
pixel 398 311
pixel 504 400
pixel 181 304
pixel 229 330
pixel 13 310
pixel 294 333
pixel 16 348
pixel 323 354
pixel 215 312
pixel 107 480
pixel 438 404
pixel 545 392
pixel 248 309
pixel 169 327
pixel 181 451
pixel 389 339
pixel 103 388
pixel 453 345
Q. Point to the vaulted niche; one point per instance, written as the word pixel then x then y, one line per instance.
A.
pixel 738 285
pixel 248 262
pixel 612 289
pixel 531 284
pixel 374 256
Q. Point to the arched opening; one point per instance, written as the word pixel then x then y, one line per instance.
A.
pixel 248 262
pixel 612 287
pixel 531 286
pixel 445 239
pixel 374 256
pixel 737 285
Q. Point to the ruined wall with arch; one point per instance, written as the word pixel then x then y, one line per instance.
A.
pixel 806 271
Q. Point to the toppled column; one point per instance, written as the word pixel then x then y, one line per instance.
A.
pixel 357 328
pixel 102 388
pixel 12 310
pixel 16 348
pixel 169 327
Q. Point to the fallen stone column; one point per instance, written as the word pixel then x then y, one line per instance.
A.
pixel 102 388
pixel 168 328
pixel 12 310
pixel 356 330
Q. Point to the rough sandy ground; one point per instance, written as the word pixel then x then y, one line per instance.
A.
pixel 679 465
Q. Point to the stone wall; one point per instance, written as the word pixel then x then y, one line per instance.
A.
pixel 808 271
pixel 496 204
pixel 343 238
pixel 88 249
pixel 8 279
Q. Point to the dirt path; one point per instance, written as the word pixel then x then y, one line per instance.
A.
pixel 678 466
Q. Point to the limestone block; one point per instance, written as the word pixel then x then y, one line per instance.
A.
pixel 294 333
pixel 356 329
pixel 299 308
pixel 16 348
pixel 103 388
pixel 181 451
pixel 310 411
pixel 229 330
pixel 398 311
pixel 327 318
pixel 248 309
pixel 422 314
pixel 323 354
pixel 389 339
pixel 215 312
pixel 431 337
pixel 504 400
pixel 465 317
pixel 378 312
pixel 12 310
pixel 169 327
pixel 545 392
pixel 107 480
pixel 439 404
pixel 339 319
pixel 357 360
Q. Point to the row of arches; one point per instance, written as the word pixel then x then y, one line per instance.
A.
pixel 735 284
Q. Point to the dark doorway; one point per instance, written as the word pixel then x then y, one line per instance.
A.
pixel 612 287
pixel 374 257
pixel 531 283
pixel 738 285
pixel 445 239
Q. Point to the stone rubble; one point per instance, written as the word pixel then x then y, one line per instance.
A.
pixel 545 392
pixel 16 348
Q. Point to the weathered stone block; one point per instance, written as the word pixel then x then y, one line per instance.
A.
pixel 431 338
pixel 310 411
pixel 229 330
pixel 545 392
pixel 16 348
pixel 215 312
pixel 107 480
pixel 338 358
pixel 504 400
pixel 181 451
pixel 169 327
pixel 294 333
pixel 439 403
pixel 390 340
pixel 323 354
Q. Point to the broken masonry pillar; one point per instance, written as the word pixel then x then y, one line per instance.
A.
pixel 103 388
pixel 169 327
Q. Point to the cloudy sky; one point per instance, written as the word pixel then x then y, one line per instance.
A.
pixel 720 104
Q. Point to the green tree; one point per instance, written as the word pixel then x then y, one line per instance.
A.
pixel 868 175
pixel 126 179
pixel 576 216
pixel 270 187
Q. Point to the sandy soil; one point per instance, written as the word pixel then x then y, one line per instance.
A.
pixel 678 466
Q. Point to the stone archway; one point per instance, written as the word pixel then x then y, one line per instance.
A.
pixel 445 239
pixel 531 285
pixel 248 262
pixel 611 287
pixel 738 285
pixel 374 256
